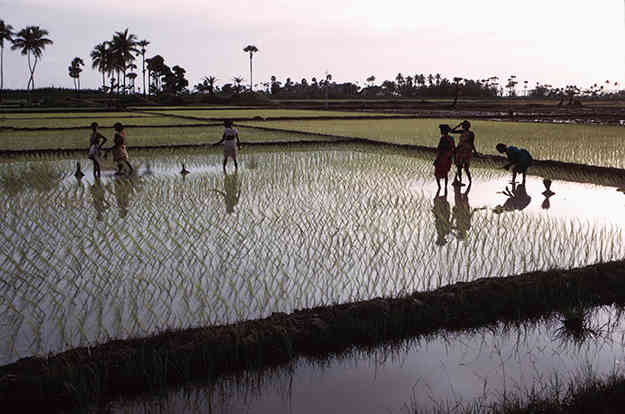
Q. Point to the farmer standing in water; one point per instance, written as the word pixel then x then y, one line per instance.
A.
pixel 444 155
pixel 519 159
pixel 230 138
pixel 464 151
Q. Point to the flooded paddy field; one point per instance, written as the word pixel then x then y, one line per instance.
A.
pixel 87 261
pixel 447 371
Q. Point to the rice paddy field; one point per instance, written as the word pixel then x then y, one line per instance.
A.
pixel 584 144
pixel 316 222
pixel 85 262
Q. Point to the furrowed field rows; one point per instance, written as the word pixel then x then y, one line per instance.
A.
pixel 86 262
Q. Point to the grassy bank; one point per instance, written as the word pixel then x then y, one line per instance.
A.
pixel 93 374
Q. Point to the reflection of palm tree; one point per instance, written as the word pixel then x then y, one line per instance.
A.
pixel 441 212
pixel 99 203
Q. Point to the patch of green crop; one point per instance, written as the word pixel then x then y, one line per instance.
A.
pixel 586 144
pixel 103 122
pixel 69 114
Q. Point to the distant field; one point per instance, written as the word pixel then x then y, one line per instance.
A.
pixel 86 122
pixel 267 113
pixel 186 107
pixel 588 144
pixel 77 139
pixel 45 115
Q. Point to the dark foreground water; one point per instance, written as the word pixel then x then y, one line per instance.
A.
pixel 439 371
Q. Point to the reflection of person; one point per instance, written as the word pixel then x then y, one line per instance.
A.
pixel 462 212
pixel 96 141
pixel 444 155
pixel 441 212
pixel 464 151
pixel 547 193
pixel 232 192
pixel 123 188
pixel 518 199
pixel 230 138
pixel 99 203
pixel 120 154
pixel 520 159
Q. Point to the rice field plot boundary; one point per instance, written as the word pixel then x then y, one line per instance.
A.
pixel 78 377
pixel 288 118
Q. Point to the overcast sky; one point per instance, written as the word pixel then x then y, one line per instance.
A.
pixel 548 41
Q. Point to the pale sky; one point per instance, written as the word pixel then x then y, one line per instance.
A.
pixel 549 41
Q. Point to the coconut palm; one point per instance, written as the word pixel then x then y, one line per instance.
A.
pixel 6 33
pixel 143 44
pixel 124 44
pixel 251 49
pixel 74 71
pixel 31 40
pixel 100 60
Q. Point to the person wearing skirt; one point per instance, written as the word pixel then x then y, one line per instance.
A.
pixel 230 139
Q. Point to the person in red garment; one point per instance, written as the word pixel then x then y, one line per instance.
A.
pixel 444 156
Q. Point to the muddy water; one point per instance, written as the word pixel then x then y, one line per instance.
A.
pixel 440 371
pixel 88 261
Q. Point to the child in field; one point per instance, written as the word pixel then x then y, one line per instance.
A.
pixel 442 163
pixel 520 160
pixel 464 151
pixel 96 141
pixel 230 138
pixel 120 154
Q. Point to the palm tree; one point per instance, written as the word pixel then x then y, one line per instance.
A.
pixel 74 71
pixel 32 41
pixel 143 44
pixel 100 60
pixel 251 49
pixel 124 45
pixel 6 33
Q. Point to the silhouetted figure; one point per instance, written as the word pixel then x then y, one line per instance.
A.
pixel 96 141
pixel 441 213
pixel 444 156
pixel 184 170
pixel 464 151
pixel 78 174
pixel 547 193
pixel 230 138
pixel 120 153
pixel 518 199
pixel 519 159
pixel 99 202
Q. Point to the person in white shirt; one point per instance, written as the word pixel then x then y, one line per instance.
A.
pixel 230 138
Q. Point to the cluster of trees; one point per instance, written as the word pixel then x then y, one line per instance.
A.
pixel 116 58
pixel 30 41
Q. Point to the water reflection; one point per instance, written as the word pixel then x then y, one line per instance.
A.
pixel 98 196
pixel 420 374
pixel 546 204
pixel 442 212
pixel 462 212
pixel 518 198
pixel 231 192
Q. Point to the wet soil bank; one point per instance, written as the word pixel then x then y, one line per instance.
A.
pixel 95 374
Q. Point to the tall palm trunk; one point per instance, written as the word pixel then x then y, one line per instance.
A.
pixel 143 65
pixel 251 73
pixel 1 69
